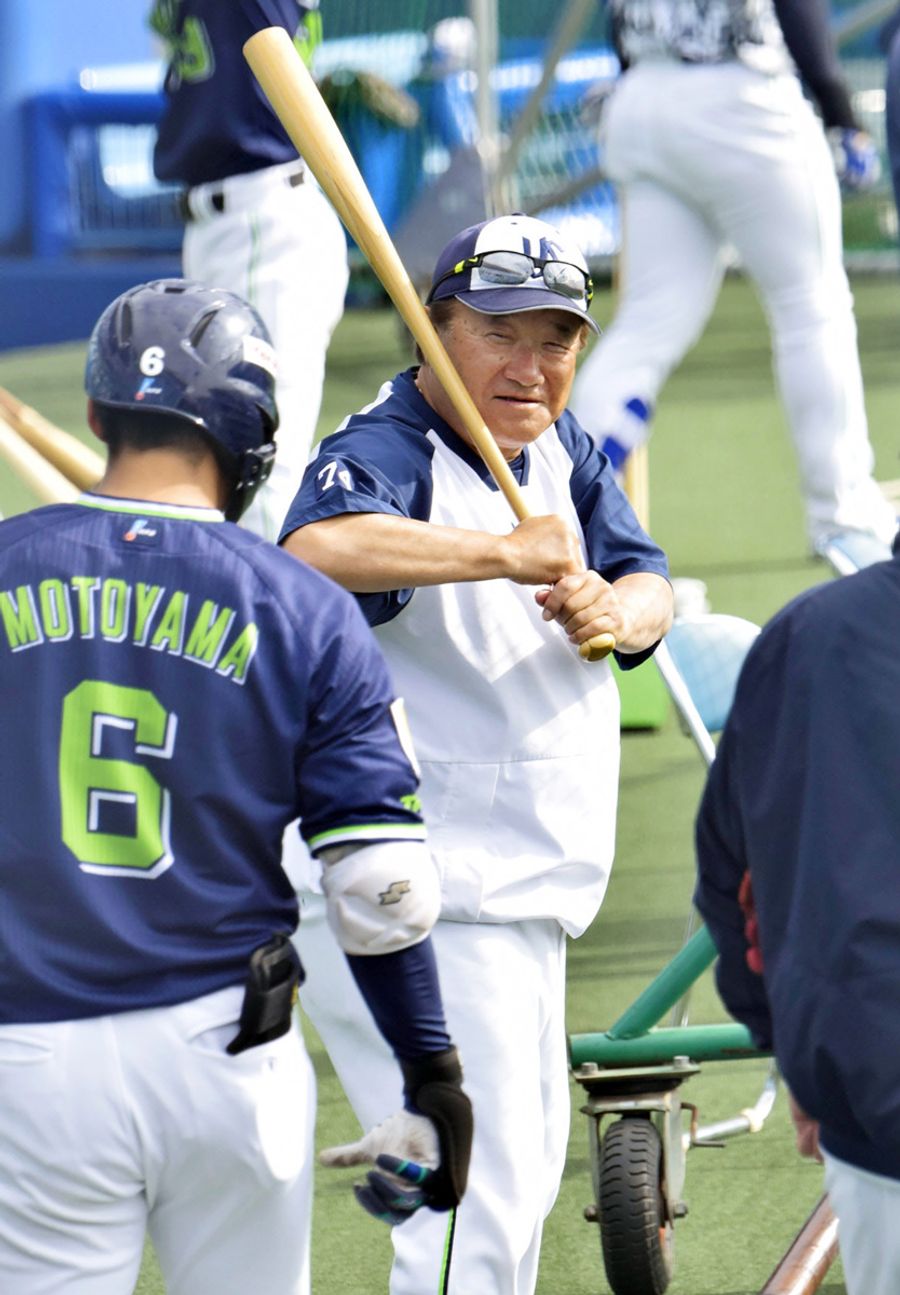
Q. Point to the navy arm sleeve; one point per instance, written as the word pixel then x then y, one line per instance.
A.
pixel 402 992
pixel 805 24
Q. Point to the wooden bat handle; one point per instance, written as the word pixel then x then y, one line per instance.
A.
pixel 45 481
pixel 78 462
pixel 302 111
pixel 598 647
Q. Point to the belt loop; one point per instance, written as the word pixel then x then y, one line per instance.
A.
pixel 215 201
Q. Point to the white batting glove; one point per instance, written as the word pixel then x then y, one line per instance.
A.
pixel 405 1135
pixel 405 1150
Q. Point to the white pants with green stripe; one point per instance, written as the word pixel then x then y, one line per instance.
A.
pixel 504 993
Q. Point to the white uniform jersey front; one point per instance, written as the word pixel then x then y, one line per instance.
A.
pixel 516 734
pixel 539 843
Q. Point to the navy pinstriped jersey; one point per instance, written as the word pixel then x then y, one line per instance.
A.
pixel 174 692
pixel 218 121
pixel 380 461
pixel 698 31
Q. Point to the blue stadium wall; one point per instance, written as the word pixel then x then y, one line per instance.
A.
pixel 44 47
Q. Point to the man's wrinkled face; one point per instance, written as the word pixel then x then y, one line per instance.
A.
pixel 517 368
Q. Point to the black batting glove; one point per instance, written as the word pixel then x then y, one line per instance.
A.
pixel 432 1086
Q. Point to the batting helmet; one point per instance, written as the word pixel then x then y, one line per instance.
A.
pixel 195 353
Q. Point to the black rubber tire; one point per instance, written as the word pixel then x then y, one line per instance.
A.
pixel 636 1237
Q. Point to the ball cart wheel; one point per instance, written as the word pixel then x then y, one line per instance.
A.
pixel 636 1236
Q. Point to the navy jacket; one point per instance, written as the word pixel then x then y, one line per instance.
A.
pixel 805 793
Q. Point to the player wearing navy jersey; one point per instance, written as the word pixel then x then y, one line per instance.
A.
pixel 714 147
pixel 176 691
pixel 796 842
pixel 256 220
pixel 517 735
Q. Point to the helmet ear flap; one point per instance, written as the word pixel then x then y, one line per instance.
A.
pixel 253 467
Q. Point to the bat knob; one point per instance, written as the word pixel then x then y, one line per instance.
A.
pixel 597 648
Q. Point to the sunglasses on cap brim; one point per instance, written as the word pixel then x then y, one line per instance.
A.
pixel 512 269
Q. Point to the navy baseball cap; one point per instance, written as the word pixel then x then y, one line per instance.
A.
pixel 514 263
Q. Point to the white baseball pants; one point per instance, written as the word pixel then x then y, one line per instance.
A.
pixel 714 156
pixel 504 993
pixel 283 249
pixel 868 1213
pixel 116 1125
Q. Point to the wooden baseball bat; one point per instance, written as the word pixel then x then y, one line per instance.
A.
pixel 811 1254
pixel 41 477
pixel 302 111
pixel 75 460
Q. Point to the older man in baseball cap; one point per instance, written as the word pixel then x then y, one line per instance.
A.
pixel 517 735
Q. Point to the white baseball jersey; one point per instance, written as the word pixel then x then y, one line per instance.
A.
pixel 517 736
pixel 518 742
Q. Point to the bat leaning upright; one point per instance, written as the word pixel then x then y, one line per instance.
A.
pixel 75 460
pixel 303 113
pixel 33 470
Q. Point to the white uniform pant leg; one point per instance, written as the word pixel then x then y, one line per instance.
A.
pixel 668 286
pixel 230 1145
pixel 287 255
pixel 782 179
pixel 868 1211
pixel 369 1073
pixel 504 994
pixel 114 1124
pixel 745 154
pixel 72 1209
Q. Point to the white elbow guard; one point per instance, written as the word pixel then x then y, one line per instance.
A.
pixel 382 897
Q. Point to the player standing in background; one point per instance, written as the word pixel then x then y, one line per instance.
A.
pixel 518 736
pixel 256 220
pixel 712 144
pixel 797 847
pixel 175 691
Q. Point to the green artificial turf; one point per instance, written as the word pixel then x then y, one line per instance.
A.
pixel 725 504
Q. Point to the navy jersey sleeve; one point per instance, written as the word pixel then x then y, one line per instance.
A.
pixel 373 465
pixel 274 13
pixel 355 775
pixel 616 543
pixel 722 861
